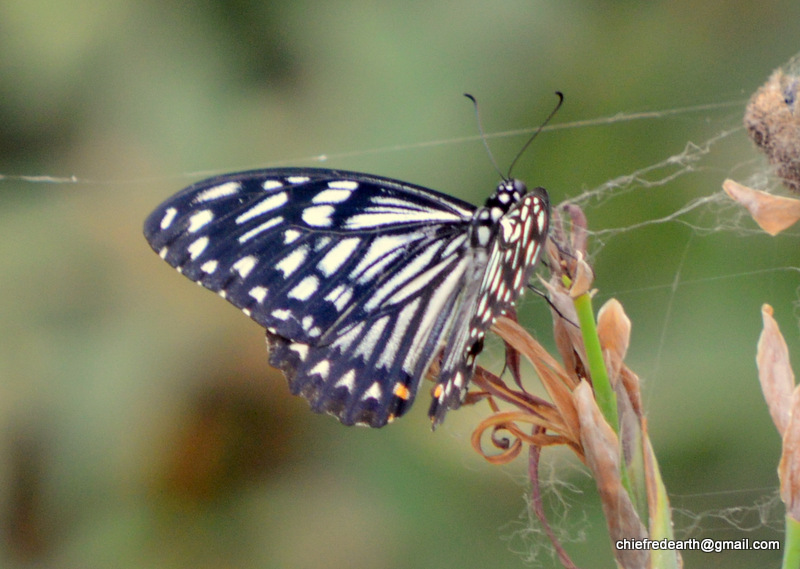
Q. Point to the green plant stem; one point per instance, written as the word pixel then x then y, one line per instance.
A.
pixel 791 545
pixel 603 392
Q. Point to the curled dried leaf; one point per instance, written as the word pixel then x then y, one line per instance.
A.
pixel 510 448
pixel 772 213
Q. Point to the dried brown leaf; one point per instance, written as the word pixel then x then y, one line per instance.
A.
pixel 552 375
pixel 631 384
pixel 601 449
pixel 774 370
pixel 772 213
pixel 569 340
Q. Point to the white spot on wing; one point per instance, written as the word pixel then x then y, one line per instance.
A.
pixel 377 268
pixel 259 293
pixel 482 303
pixel 301 349
pixel 498 274
pixel 339 296
pixel 292 261
pixel 369 343
pixel 244 265
pixel 266 205
pixel 263 227
pixel 515 235
pixel 199 220
pixel 392 344
pixel 507 227
pixel 272 184
pixel 348 381
pixel 408 272
pixel 197 247
pixel 374 392
pixel 530 252
pixel 209 267
pixel 343 184
pixel 281 314
pixel 331 196
pixel 454 245
pixel 418 283
pixel 392 216
pixel 336 258
pixel 322 369
pixel 433 310
pixel 344 341
pixel 318 215
pixel 517 279
pixel 382 247
pixel 321 243
pixel 305 288
pixel 297 179
pixel 169 216
pixel 290 235
pixel 390 201
pixel 217 192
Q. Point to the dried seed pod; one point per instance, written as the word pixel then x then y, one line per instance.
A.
pixel 772 119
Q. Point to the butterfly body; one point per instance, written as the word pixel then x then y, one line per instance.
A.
pixel 358 280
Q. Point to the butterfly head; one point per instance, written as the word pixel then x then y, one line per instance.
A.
pixel 507 194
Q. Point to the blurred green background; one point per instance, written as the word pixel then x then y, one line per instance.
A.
pixel 140 423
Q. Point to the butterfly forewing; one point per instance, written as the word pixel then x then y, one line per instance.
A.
pixel 299 250
pixel 359 280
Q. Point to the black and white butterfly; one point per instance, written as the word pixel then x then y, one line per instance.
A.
pixel 360 281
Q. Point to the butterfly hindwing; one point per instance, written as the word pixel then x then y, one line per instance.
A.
pixel 367 369
pixel 515 251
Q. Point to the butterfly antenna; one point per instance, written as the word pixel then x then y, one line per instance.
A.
pixel 560 96
pixel 483 135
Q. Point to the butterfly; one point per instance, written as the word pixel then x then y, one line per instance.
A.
pixel 360 281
